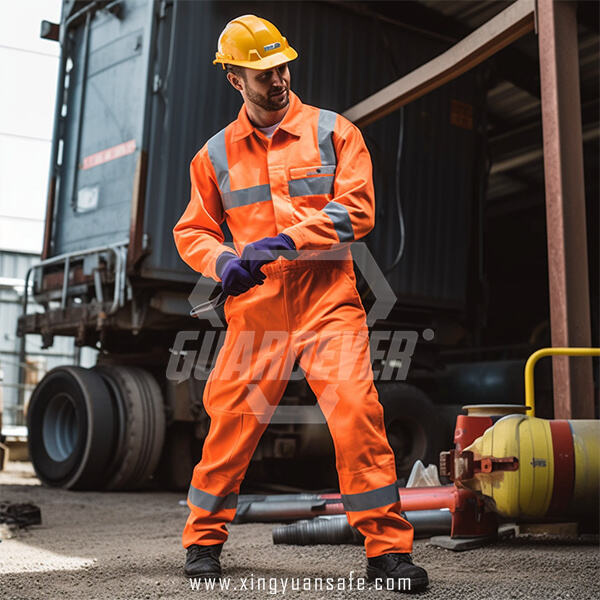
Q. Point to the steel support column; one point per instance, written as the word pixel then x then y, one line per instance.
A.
pixel 565 206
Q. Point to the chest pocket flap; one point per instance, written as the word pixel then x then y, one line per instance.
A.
pixel 311 181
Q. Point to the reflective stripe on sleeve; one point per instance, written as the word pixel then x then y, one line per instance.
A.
pixel 372 499
pixel 325 134
pixel 217 152
pixel 210 502
pixel 338 213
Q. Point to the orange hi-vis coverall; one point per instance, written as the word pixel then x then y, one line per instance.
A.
pixel 312 180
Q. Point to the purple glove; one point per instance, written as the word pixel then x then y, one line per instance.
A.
pixel 235 279
pixel 264 251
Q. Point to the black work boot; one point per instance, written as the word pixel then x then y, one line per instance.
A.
pixel 396 571
pixel 202 562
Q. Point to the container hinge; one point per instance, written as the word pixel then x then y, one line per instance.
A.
pixel 162 8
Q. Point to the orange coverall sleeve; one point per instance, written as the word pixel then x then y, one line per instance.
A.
pixel 353 195
pixel 198 235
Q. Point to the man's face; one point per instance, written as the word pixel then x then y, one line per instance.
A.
pixel 269 89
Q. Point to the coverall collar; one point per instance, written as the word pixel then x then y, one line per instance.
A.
pixel 292 121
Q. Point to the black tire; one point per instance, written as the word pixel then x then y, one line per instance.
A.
pixel 71 428
pixel 140 430
pixel 414 430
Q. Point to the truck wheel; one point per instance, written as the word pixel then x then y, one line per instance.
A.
pixel 140 428
pixel 71 428
pixel 413 428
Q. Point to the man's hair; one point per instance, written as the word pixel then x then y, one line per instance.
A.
pixel 236 70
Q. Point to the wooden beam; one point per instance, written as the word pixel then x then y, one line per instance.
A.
pixel 506 27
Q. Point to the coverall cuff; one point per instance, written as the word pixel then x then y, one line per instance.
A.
pixel 288 240
pixel 222 260
pixel 295 235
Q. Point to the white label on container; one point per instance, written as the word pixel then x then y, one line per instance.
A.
pixel 87 199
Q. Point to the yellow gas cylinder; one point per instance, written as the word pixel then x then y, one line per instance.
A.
pixel 558 471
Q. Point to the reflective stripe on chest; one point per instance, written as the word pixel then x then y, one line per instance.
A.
pixel 316 180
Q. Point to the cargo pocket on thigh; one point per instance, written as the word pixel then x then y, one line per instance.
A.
pixel 350 283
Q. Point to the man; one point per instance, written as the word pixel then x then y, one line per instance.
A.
pixel 296 181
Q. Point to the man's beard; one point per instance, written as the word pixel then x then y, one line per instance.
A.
pixel 267 102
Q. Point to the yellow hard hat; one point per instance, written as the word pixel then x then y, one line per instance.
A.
pixel 252 42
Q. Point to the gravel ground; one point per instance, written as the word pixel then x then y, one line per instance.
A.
pixel 127 545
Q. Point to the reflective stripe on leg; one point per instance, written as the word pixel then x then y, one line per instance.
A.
pixel 382 496
pixel 210 502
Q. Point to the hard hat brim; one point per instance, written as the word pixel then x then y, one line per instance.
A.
pixel 268 62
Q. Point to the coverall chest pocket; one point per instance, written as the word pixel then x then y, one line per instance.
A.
pixel 308 182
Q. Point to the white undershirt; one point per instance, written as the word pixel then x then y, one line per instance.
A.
pixel 268 131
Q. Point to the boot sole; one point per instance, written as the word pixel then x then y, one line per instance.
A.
pixel 417 584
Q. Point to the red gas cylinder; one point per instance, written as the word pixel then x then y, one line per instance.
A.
pixel 478 418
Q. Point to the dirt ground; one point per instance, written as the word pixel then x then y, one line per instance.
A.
pixel 127 545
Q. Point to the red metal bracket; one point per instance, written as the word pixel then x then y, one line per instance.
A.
pixel 460 466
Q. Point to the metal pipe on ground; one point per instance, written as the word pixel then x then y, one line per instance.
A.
pixel 470 517
pixel 335 529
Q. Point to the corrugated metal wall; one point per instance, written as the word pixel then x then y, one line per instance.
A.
pixel 342 59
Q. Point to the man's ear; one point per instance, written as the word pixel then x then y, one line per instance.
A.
pixel 234 80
